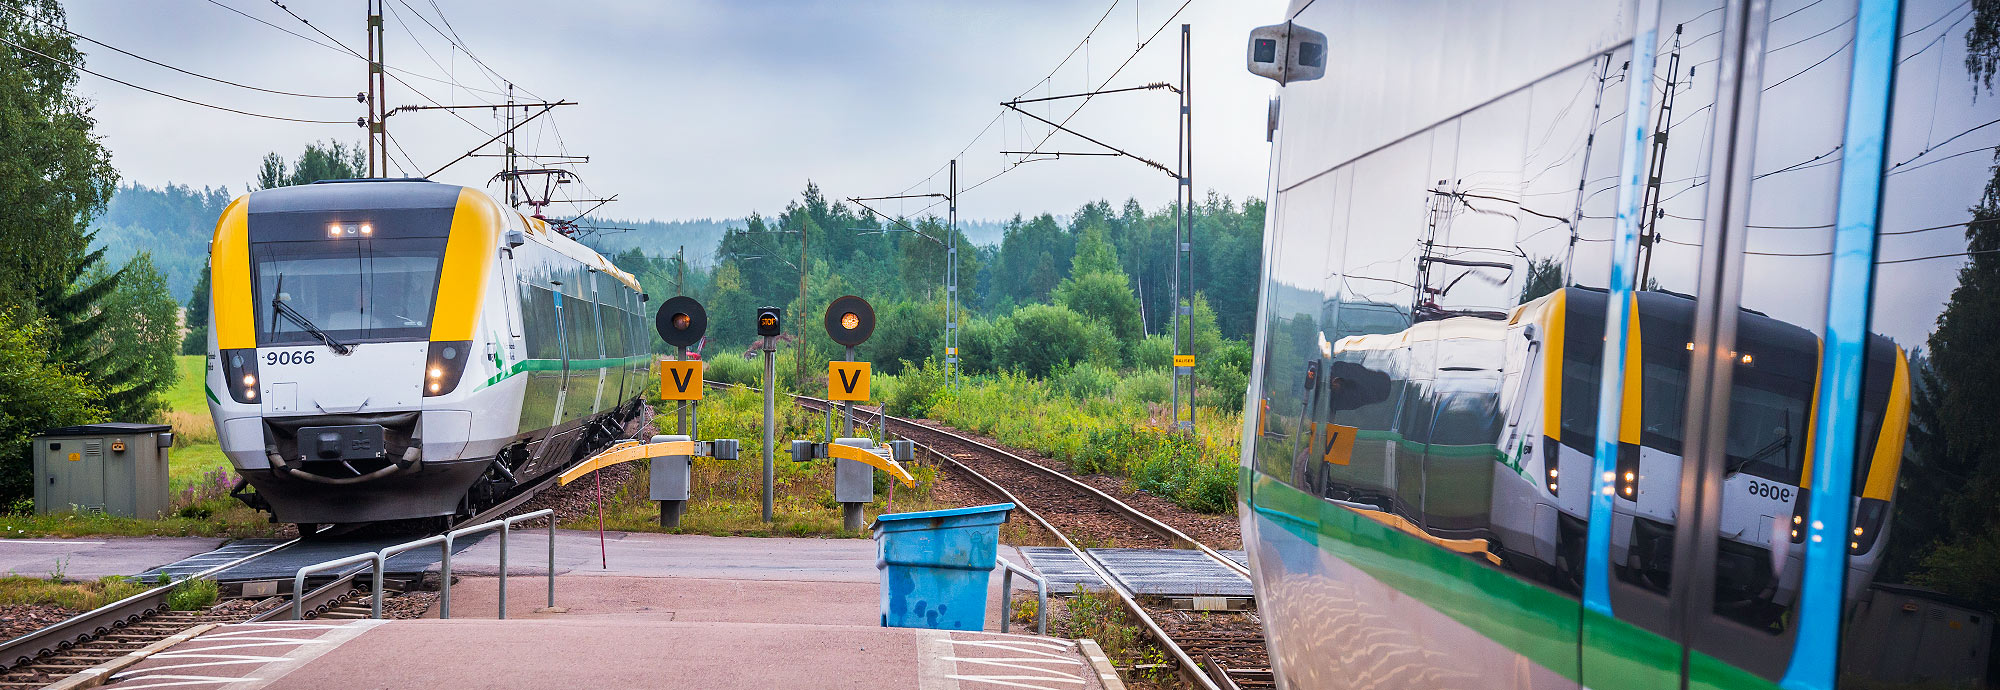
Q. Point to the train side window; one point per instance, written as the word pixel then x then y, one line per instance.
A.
pixel 580 329
pixel 1293 331
pixel 538 310
pixel 1923 568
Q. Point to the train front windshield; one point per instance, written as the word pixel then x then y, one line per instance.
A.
pixel 350 290
pixel 1768 438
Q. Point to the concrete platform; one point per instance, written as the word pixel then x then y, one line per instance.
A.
pixel 90 558
pixel 672 611
pixel 603 653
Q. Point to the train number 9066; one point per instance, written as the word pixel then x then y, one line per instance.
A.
pixel 1770 490
pixel 284 357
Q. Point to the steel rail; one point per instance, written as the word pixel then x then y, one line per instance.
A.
pixel 103 619
pixel 1171 533
pixel 1190 670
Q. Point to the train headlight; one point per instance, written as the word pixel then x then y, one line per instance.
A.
pixel 443 366
pixel 1627 473
pixel 1870 514
pixel 239 374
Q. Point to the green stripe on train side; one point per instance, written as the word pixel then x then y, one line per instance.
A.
pixel 557 365
pixel 1534 621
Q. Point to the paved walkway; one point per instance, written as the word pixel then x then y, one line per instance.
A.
pixel 90 558
pixel 672 611
pixel 597 653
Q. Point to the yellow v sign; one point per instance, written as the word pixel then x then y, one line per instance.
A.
pixel 680 380
pixel 847 381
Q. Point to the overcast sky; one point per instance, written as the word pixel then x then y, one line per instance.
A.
pixel 701 109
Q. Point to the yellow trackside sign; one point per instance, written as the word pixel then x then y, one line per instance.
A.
pixel 847 381
pixel 1183 360
pixel 1337 443
pixel 680 380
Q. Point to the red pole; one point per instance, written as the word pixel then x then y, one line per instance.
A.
pixel 601 552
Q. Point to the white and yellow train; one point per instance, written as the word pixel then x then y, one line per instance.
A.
pixel 391 349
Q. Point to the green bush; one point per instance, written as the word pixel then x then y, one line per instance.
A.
pixel 1146 387
pixel 1083 381
pixel 980 344
pixel 1045 337
pixel 36 393
pixel 913 391
pixel 1155 352
pixel 193 594
pixel 728 367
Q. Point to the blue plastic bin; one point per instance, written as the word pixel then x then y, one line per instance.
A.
pixel 935 565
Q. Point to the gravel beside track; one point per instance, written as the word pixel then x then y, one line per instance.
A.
pixel 20 619
pixel 1081 516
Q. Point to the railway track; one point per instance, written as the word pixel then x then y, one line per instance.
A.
pixel 94 637
pixel 1210 650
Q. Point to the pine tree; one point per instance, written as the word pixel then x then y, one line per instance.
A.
pixel 196 320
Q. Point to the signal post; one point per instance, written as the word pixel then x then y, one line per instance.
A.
pixel 768 325
pixel 681 322
pixel 849 322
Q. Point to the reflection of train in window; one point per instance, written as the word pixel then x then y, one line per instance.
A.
pixel 1471 450
pixel 1629 345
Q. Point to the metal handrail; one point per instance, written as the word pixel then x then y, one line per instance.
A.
pixel 505 527
pixel 1007 596
pixel 382 562
pixel 378 561
pixel 444 578
pixel 299 579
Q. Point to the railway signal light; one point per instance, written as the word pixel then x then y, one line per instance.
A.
pixel 768 321
pixel 681 321
pixel 850 320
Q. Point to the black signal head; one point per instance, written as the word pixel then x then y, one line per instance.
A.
pixel 681 321
pixel 850 320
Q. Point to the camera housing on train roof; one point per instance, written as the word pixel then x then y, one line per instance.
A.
pixel 1287 53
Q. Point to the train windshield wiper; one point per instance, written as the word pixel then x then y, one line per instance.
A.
pixel 1783 443
pixel 280 308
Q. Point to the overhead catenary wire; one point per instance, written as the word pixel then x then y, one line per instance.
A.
pixel 1073 113
pixel 143 58
pixel 156 92
pixel 343 49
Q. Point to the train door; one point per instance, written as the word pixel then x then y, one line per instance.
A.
pixel 1698 581
pixel 565 328
pixel 1920 589
pixel 1652 406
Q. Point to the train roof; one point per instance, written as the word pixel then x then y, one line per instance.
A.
pixel 418 193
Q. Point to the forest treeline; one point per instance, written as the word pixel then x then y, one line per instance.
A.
pixel 1049 294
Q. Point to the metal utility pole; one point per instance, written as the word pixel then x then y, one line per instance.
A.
pixel 950 245
pixel 1182 286
pixel 378 91
pixel 512 200
pixel 951 286
pixel 1649 220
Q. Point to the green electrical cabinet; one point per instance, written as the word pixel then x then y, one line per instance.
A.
pixel 116 468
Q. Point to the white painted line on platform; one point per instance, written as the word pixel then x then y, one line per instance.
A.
pixel 936 670
pixel 55 543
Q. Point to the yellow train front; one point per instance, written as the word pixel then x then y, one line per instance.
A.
pixel 392 349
